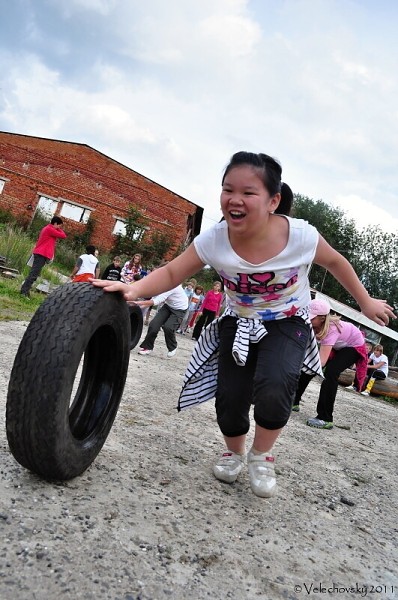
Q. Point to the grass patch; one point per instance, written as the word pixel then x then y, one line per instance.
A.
pixel 13 306
pixel 16 245
pixel 389 400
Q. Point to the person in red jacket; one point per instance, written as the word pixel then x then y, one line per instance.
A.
pixel 210 309
pixel 43 252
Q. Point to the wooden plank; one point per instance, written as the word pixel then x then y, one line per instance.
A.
pixel 8 269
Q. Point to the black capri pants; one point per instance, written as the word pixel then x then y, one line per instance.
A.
pixel 268 380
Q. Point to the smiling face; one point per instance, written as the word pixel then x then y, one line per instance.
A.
pixel 245 201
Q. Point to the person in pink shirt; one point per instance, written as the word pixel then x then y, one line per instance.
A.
pixel 341 345
pixel 210 309
pixel 43 251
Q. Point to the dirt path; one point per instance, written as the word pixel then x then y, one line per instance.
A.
pixel 149 521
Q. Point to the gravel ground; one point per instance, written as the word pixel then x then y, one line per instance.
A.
pixel 148 521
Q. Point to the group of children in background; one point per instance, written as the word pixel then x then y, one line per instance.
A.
pixel 132 270
pixel 203 307
pixel 87 266
pixel 198 308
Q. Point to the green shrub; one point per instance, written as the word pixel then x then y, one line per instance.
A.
pixel 6 217
pixel 16 246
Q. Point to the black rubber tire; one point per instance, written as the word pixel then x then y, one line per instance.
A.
pixel 136 325
pixel 49 432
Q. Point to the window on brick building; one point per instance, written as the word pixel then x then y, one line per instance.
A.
pixel 47 206
pixel 81 214
pixel 2 184
pixel 120 229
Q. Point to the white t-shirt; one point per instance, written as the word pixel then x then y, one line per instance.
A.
pixel 275 289
pixel 175 298
pixel 195 301
pixel 88 265
pixel 378 359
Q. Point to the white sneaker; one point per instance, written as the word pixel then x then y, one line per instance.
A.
pixel 144 351
pixel 228 466
pixel 262 474
pixel 171 353
pixel 365 393
pixel 351 387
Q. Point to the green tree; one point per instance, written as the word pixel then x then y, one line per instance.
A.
pixel 156 247
pixel 378 262
pixel 152 245
pixel 339 231
pixel 206 277
pixel 131 243
pixel 378 270
pixel 80 240
pixel 372 252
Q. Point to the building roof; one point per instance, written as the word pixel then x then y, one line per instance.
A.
pixel 70 147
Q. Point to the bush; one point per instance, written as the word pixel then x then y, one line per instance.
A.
pixel 153 248
pixel 16 246
pixel 6 217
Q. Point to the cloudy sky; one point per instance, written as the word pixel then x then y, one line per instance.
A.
pixel 172 88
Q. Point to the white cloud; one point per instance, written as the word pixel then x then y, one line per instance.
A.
pixel 366 213
pixel 101 7
pixel 173 88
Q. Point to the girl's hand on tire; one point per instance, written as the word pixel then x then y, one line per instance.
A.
pixel 116 286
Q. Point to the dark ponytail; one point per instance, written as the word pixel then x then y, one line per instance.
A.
pixel 285 205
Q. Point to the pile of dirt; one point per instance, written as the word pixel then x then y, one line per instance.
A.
pixel 149 521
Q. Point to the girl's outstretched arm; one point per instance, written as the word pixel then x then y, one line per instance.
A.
pixel 161 280
pixel 378 310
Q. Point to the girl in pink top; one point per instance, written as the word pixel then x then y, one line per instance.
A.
pixel 341 345
pixel 210 309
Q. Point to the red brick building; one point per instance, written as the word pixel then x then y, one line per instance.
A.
pixel 75 182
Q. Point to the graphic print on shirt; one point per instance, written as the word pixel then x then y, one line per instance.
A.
pixel 259 292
